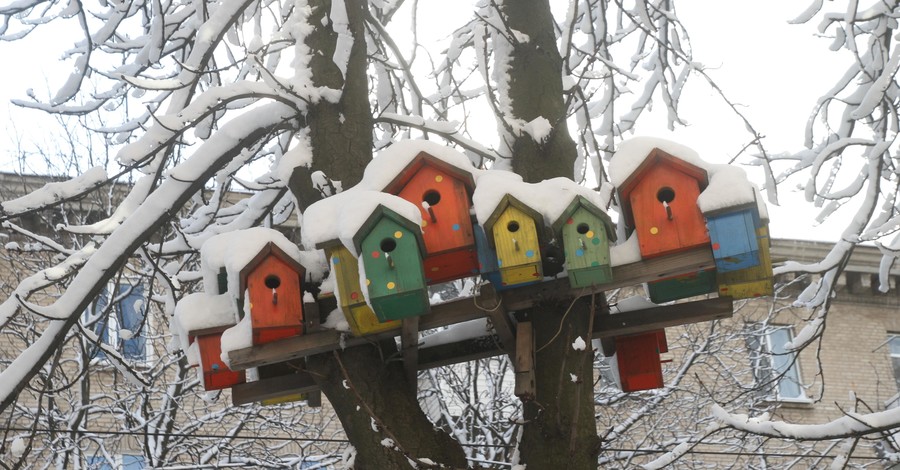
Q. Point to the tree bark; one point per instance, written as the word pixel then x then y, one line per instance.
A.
pixel 370 395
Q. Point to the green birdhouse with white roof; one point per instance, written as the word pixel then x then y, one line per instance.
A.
pixel 391 249
pixel 586 232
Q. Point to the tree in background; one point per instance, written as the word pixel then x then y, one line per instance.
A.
pixel 288 100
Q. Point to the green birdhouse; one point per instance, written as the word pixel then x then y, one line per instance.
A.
pixel 391 250
pixel 513 228
pixel 359 315
pixel 585 231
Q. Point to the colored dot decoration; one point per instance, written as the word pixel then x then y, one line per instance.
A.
pixel 590 234
pixel 354 295
pixel 435 269
pixel 455 227
pixel 499 262
pixel 439 178
pixel 424 223
pixel 391 285
pixel 376 254
pixel 570 221
pixel 579 252
pixel 715 246
pixel 368 282
pixel 596 241
pixel 529 253
pixel 398 234
pixel 335 260
pixel 654 230
pixel 595 263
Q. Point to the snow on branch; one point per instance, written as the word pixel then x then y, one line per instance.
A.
pixel 850 425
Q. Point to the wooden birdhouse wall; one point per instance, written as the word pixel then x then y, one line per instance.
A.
pixel 639 361
pixel 756 281
pixel 359 315
pixel 661 231
pixel 518 248
pixel 216 375
pixel 586 246
pixel 734 240
pixel 394 271
pixel 682 287
pixel 276 301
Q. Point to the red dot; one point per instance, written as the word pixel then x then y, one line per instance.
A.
pixel 715 246
pixel 570 221
pixel 376 254
pixel 354 295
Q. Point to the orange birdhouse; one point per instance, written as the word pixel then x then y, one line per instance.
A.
pixel 273 282
pixel 443 193
pixel 216 375
pixel 659 201
pixel 638 360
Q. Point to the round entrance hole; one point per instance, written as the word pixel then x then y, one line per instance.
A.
pixel 665 194
pixel 388 245
pixel 272 281
pixel 583 228
pixel 512 226
pixel 432 197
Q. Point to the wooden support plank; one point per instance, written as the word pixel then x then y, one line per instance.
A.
pixel 311 316
pixel 409 344
pixel 459 351
pixel 664 316
pixel 464 309
pixel 503 325
pixel 524 362
pixel 272 388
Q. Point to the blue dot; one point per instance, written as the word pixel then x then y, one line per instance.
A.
pixel 455 227
pixel 335 260
pixel 499 262
pixel 529 253
pixel 215 367
pixel 579 252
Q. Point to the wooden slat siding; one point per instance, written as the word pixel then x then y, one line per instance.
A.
pixel 461 310
pixel 524 361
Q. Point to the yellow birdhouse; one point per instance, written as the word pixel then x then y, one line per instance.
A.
pixel 515 229
pixel 359 315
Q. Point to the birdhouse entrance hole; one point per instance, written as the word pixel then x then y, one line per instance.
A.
pixel 388 245
pixel 432 197
pixel 272 281
pixel 665 195
pixel 583 228
pixel 512 226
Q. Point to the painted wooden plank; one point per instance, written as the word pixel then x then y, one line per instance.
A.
pixel 524 362
pixel 273 388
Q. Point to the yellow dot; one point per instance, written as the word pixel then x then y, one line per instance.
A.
pixel 435 269
pixel 439 178
pixel 590 234
pixel 654 230
pixel 368 281
pixel 424 223
pixel 398 234
pixel 391 285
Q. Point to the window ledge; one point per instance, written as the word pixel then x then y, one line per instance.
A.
pixel 801 403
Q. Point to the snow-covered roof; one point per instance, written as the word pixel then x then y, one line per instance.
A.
pixel 390 163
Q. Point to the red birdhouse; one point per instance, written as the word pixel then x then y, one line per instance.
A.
pixel 216 375
pixel 659 201
pixel 443 193
pixel 273 279
pixel 639 362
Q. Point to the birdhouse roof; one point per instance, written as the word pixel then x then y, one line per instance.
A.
pixel 510 201
pixel 423 159
pixel 268 250
pixel 580 202
pixel 381 212
pixel 659 157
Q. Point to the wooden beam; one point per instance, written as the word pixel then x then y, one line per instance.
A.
pixel 273 388
pixel 464 309
pixel 524 362
pixel 460 351
pixel 502 324
pixel 409 346
pixel 639 321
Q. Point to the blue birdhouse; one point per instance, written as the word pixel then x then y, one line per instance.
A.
pixel 733 238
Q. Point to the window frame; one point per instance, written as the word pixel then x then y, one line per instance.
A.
pixel 763 358
pixel 107 328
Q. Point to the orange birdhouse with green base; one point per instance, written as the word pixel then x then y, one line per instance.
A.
pixel 359 315
pixel 272 280
pixel 216 375
pixel 391 249
pixel 443 193
pixel 586 232
pixel 515 231
pixel 659 201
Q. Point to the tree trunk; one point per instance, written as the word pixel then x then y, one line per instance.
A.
pixel 371 396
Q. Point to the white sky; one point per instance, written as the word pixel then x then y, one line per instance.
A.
pixel 760 61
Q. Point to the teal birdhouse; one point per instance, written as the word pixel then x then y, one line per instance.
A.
pixel 586 232
pixel 391 249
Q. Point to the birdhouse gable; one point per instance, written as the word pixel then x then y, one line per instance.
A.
pixel 508 205
pixel 659 165
pixel 425 160
pixel 382 213
pixel 265 256
pixel 581 204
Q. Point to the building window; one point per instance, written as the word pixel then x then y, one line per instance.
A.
pixel 894 343
pixel 775 369
pixel 124 462
pixel 121 327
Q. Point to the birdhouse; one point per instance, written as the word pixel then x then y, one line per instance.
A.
pixel 734 239
pixel 682 287
pixel 586 232
pixel 755 281
pixel 443 193
pixel 659 201
pixel 639 362
pixel 359 315
pixel 272 279
pixel 391 249
pixel 513 229
pixel 216 375
pixel 487 258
